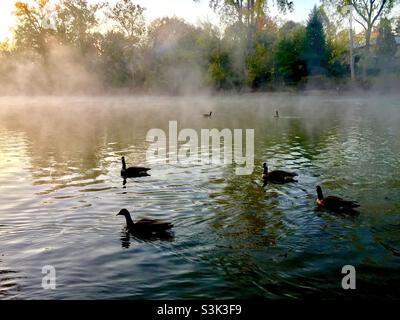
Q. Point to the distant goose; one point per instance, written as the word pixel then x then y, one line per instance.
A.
pixel 334 203
pixel 276 114
pixel 144 226
pixel 277 176
pixel 207 115
pixel 132 172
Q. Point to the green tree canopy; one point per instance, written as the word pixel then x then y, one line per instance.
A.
pixel 288 58
pixel 315 50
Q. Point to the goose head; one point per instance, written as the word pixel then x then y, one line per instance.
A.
pixel 123 212
pixel 127 215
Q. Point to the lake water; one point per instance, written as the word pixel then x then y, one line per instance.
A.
pixel 61 190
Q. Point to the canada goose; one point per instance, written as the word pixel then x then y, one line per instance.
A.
pixel 207 115
pixel 132 172
pixel 144 226
pixel 334 203
pixel 277 176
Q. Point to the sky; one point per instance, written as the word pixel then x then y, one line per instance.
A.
pixel 188 9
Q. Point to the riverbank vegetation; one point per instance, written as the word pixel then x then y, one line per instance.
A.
pixel 71 46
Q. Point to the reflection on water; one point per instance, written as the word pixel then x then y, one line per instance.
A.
pixel 127 238
pixel 8 283
pixel 61 188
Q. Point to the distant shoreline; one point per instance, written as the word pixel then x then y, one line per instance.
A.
pixel 207 95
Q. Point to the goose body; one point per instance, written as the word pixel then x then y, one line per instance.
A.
pixel 277 176
pixel 334 203
pixel 207 115
pixel 132 172
pixel 144 226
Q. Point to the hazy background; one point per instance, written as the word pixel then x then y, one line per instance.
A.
pixel 86 47
pixel 192 11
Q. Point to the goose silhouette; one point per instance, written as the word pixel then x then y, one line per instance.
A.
pixel 133 172
pixel 144 227
pixel 335 203
pixel 277 176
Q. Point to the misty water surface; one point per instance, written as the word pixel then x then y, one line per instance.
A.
pixel 61 189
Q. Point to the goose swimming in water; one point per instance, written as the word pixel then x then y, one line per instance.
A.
pixel 277 176
pixel 144 226
pixel 207 115
pixel 334 203
pixel 132 172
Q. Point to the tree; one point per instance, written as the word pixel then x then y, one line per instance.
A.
pixel 315 54
pixel 122 58
pixel 386 46
pixel 128 18
pixel 33 30
pixel 115 59
pixel 5 46
pixel 76 20
pixel 246 11
pixel 289 54
pixel 220 70
pixel 288 29
pixel 237 51
pixel 174 62
pixel 260 60
pixel 338 55
pixel 337 42
pixel 368 13
pixel 244 16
